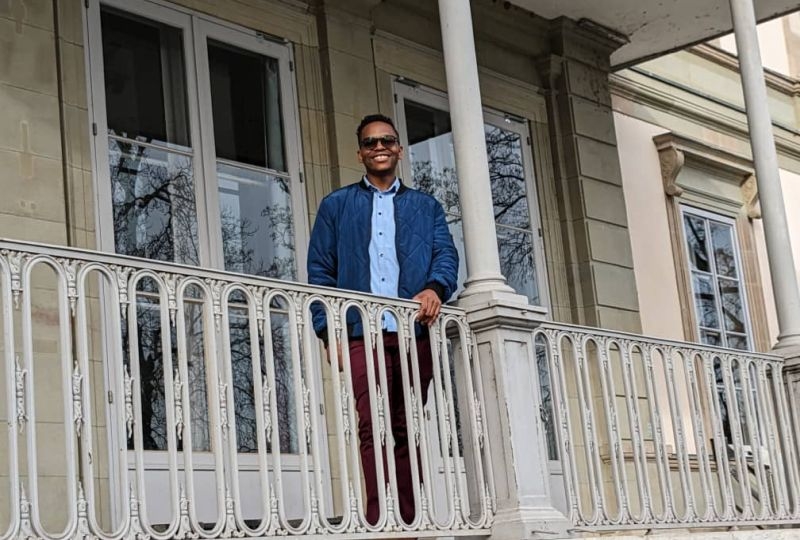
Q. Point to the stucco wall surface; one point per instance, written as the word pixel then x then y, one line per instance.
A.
pixel 649 230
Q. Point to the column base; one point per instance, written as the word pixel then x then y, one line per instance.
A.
pixel 788 347
pixel 530 523
pixel 493 307
pixel 485 283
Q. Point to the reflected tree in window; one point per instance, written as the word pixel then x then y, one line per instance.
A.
pixel 433 170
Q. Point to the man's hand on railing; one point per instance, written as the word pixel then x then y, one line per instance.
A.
pixel 338 354
pixel 430 308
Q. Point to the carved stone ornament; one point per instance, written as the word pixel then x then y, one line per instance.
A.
pixel 671 160
pixel 750 197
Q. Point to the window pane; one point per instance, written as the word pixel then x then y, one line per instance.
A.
pixel 704 301
pixel 546 408
pixel 153 198
pixel 695 232
pixel 244 401
pixel 722 242
pixel 433 169
pixel 256 217
pixel 196 371
pixel 430 147
pixel 732 310
pixel 145 84
pixel 151 369
pixel 245 97
pixel 507 175
pixel 737 342
pixel 711 338
pixel 516 261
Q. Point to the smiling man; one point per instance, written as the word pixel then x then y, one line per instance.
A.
pixel 380 236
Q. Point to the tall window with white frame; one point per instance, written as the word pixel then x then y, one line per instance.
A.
pixel 716 277
pixel 424 122
pixel 719 301
pixel 197 163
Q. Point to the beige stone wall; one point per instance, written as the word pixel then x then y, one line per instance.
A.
pixel 45 174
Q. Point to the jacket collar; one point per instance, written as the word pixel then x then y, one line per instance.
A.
pixel 400 190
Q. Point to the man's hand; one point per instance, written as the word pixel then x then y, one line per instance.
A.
pixel 339 360
pixel 430 308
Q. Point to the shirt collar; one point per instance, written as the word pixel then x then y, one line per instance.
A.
pixel 392 189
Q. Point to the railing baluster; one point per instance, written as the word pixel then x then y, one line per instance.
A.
pixel 661 458
pixel 14 385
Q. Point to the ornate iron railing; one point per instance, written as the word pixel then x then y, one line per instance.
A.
pixel 150 400
pixel 653 433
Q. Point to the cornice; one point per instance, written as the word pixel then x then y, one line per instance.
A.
pixel 676 152
pixel 786 143
pixel 777 81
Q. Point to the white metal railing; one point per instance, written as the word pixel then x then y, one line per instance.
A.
pixel 166 401
pixel 653 433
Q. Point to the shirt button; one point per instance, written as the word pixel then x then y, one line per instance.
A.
pixel 380 213
pixel 383 279
pixel 380 233
pixel 381 254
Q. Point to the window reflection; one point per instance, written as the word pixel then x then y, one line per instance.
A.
pixel 152 153
pixel 433 170
pixel 716 286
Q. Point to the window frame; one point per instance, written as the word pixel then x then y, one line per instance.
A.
pixel 708 216
pixel 406 90
pixel 196 29
pixel 722 183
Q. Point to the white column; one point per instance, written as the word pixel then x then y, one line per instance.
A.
pixel 472 167
pixel 776 229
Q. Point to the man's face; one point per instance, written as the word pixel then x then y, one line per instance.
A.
pixel 379 149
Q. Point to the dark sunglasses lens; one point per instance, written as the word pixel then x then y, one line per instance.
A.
pixel 372 142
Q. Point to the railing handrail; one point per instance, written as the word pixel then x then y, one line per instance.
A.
pixel 208 273
pixel 651 340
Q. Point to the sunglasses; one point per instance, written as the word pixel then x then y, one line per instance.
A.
pixel 387 141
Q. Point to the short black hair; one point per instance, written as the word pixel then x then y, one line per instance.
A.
pixel 369 119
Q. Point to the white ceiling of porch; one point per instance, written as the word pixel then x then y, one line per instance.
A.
pixel 655 26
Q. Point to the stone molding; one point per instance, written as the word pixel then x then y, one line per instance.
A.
pixel 652 96
pixel 676 152
pixel 777 81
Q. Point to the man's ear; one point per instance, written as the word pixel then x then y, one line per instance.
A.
pixel 360 157
pixel 400 153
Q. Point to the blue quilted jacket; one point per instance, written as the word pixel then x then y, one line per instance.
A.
pixel 338 254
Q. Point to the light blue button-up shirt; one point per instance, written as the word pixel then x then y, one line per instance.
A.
pixel 384 270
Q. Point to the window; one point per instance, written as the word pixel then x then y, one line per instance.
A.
pixel 197 162
pixel 197 130
pixel 424 124
pixel 716 278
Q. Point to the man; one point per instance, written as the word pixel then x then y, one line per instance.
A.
pixel 380 236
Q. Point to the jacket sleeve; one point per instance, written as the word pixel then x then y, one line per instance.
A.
pixel 443 277
pixel 322 263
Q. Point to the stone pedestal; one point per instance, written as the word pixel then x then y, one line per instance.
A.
pixel 504 338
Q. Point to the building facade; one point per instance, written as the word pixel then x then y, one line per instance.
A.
pixel 610 364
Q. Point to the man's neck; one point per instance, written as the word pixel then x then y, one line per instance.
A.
pixel 382 182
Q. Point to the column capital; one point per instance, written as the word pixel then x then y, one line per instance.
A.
pixel 585 40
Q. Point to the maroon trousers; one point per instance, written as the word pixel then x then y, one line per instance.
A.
pixel 394 381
